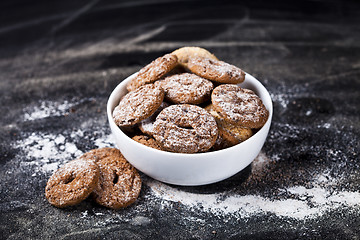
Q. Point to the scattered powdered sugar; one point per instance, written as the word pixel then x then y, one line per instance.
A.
pixel 297 202
pixel 47 152
pixel 105 141
pixel 309 203
pixel 47 109
pixel 325 125
pixel 140 220
pixel 282 99
pixel 84 214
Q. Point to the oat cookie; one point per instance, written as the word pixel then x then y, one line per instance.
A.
pixel 72 183
pixel 153 71
pixel 229 133
pixel 239 106
pixel 100 153
pixel 186 88
pixel 147 141
pixel 146 126
pixel 217 71
pixel 178 69
pixel 138 105
pixel 119 183
pixel 183 54
pixel 185 128
pixel 220 143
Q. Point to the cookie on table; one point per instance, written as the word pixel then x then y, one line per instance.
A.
pixel 153 71
pixel 185 128
pixel 186 88
pixel 217 71
pixel 72 183
pixel 100 153
pixel 138 105
pixel 229 133
pixel 239 106
pixel 147 141
pixel 119 183
pixel 185 53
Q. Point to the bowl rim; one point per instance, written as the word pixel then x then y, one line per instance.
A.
pixel 115 98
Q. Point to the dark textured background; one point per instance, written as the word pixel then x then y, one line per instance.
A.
pixel 59 61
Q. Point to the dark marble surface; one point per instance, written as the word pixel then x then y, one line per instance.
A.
pixel 59 61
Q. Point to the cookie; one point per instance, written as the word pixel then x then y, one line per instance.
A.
pixel 186 88
pixel 239 106
pixel 183 54
pixel 100 153
pixel 153 71
pixel 185 128
pixel 178 69
pixel 146 126
pixel 147 141
pixel 229 133
pixel 215 70
pixel 72 183
pixel 221 143
pixel 119 183
pixel 138 105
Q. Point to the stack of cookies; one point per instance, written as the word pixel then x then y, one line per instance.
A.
pixel 188 101
pixel 101 173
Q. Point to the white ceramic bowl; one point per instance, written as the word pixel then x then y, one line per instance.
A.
pixel 190 169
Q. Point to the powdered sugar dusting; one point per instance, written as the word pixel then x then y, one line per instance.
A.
pixel 147 125
pixel 218 71
pixel 186 88
pixel 47 152
pixel 138 105
pixel 105 141
pixel 47 109
pixel 297 202
pixel 239 105
pixel 227 69
pixel 153 71
pixel 185 128
pixel 79 164
pixel 120 184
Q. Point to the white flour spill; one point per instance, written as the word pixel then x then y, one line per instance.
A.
pixel 47 109
pixel 298 202
pixel 105 141
pixel 47 152
pixel 306 203
pixel 282 99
